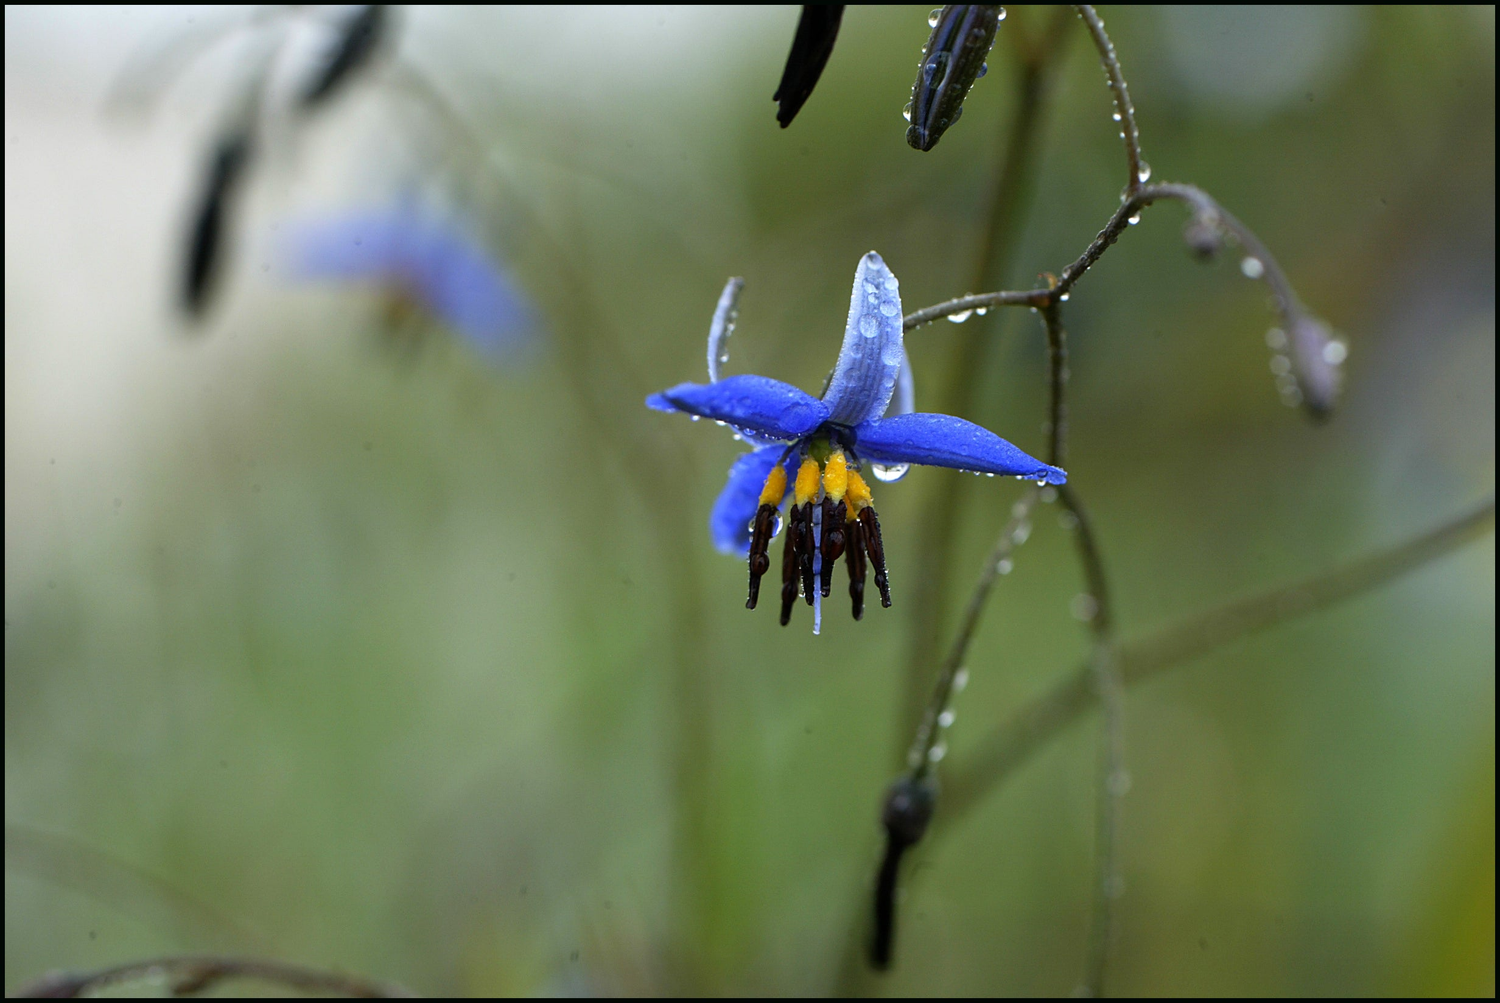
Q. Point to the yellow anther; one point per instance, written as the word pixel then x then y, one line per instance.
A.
pixel 857 496
pixel 775 488
pixel 807 481
pixel 836 476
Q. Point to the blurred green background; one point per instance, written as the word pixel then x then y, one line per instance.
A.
pixel 409 665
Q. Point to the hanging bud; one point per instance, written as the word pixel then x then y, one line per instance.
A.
pixel 357 41
pixel 813 44
pixel 953 59
pixel 205 249
pixel 907 812
pixel 1203 237
pixel 1317 362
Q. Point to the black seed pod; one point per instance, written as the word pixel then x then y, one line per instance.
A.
pixel 357 42
pixel 816 32
pixel 907 812
pixel 205 249
pixel 951 62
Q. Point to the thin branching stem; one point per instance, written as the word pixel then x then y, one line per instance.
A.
pixel 1104 666
pixel 188 976
pixel 1012 744
pixel 1123 108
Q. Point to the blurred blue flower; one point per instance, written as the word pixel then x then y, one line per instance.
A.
pixel 422 257
pixel 814 449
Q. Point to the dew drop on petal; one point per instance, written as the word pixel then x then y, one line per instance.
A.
pixel 932 19
pixel 906 112
pixel 889 309
pixel 892 472
pixel 694 417
pixel 1001 15
pixel 1252 268
pixel 983 69
pixel 891 283
pixel 868 326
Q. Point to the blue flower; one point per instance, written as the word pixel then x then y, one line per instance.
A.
pixel 423 257
pixel 814 449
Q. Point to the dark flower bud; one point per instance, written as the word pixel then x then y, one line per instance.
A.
pixel 1203 237
pixel 952 60
pixel 1317 363
pixel 210 219
pixel 357 42
pixel 908 810
pixel 817 30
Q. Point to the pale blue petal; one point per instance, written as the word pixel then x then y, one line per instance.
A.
pixel 729 522
pixel 758 404
pixel 871 356
pixel 425 257
pixel 941 440
pixel 723 326
pixel 905 399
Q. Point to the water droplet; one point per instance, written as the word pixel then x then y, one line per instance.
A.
pixel 891 283
pixel 983 69
pixel 893 472
pixel 1335 352
pixel 1084 607
pixel 694 417
pixel 906 112
pixel 960 680
pixel 945 719
pixel 1280 365
pixel 932 19
pixel 1064 297
pixel 937 752
pixel 1252 268
pixel 1021 533
pixel 960 317
pixel 1145 172
pixel 721 424
pixel 981 311
pixel 868 326
pixel 1134 219
pixel 1276 339
pixel 989 475
pixel 1004 566
pixel 1001 15
pixel 889 309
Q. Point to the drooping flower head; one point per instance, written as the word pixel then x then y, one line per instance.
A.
pixel 421 256
pixel 814 450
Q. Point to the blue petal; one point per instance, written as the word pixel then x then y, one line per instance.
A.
pixel 870 359
pixel 723 326
pixel 729 522
pixel 757 404
pixel 941 440
pixel 424 256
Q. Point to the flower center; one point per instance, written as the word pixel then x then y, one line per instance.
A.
pixel 831 516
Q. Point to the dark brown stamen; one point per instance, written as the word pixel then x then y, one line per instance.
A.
pixel 791 563
pixel 871 526
pixel 761 532
pixel 833 541
pixel 806 547
pixel 854 559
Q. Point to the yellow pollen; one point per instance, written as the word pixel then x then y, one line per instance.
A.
pixel 858 494
pixel 807 481
pixel 836 476
pixel 775 488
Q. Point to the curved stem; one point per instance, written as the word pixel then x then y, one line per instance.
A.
pixel 1124 110
pixel 1011 745
pixel 190 975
